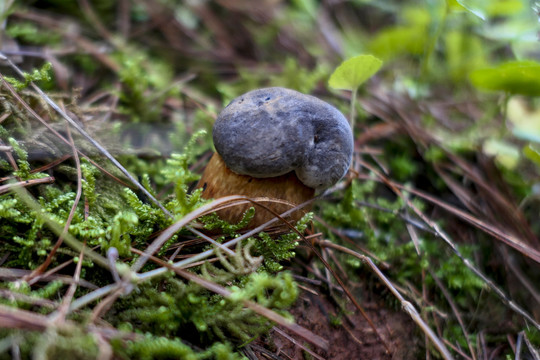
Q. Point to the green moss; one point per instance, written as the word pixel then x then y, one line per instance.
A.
pixel 169 307
pixel 42 75
pixel 214 222
pixel 71 343
pixel 24 172
pixel 166 308
pixel 146 84
pixel 30 33
pixel 152 347
pixel 276 250
pixel 119 232
pixel 385 235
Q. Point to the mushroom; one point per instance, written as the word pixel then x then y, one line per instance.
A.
pixel 279 144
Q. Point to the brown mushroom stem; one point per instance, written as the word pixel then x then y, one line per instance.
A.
pixel 218 181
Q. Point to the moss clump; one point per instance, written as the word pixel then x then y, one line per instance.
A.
pixel 164 312
pixel 69 342
pixel 151 347
pixel 41 75
pixel 172 308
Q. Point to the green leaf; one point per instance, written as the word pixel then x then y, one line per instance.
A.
pixel 354 71
pixel 532 153
pixel 476 7
pixel 399 40
pixel 516 77
pixel 490 8
pixel 505 7
pixel 464 53
pixel 454 5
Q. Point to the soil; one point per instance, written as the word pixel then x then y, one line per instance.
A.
pixel 351 339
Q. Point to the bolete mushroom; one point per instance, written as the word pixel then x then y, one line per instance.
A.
pixel 276 143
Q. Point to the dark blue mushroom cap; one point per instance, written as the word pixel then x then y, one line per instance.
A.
pixel 270 132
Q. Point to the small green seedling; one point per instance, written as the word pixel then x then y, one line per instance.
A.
pixel 352 73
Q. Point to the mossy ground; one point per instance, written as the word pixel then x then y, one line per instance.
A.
pixel 442 194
